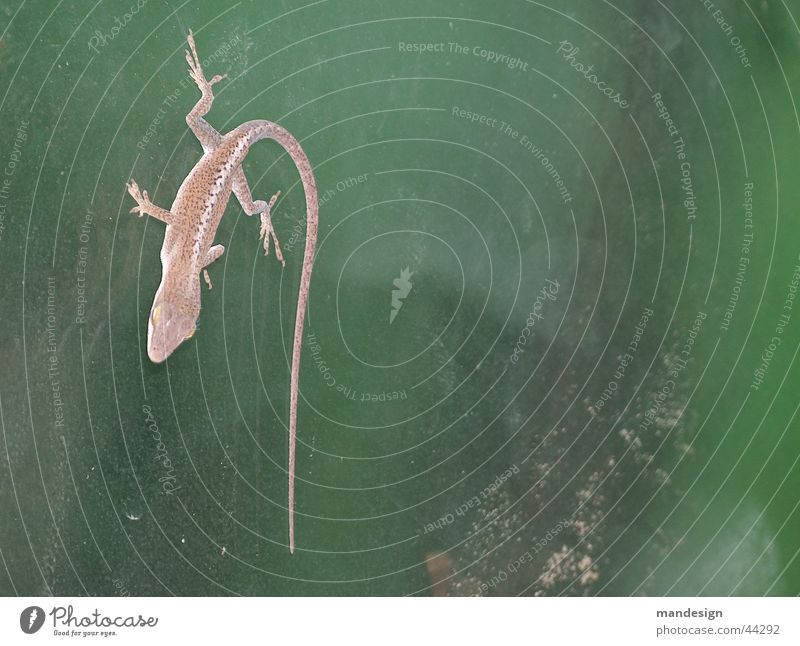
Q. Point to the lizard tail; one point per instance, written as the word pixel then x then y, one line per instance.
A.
pixel 269 130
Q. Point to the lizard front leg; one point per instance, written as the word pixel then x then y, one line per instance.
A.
pixel 213 253
pixel 146 207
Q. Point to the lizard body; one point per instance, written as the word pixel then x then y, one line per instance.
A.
pixel 192 223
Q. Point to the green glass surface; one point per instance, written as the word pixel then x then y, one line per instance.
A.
pixel 586 384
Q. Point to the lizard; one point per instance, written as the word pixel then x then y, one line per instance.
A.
pixel 192 222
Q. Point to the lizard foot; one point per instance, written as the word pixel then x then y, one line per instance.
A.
pixel 196 69
pixel 207 278
pixel 141 197
pixel 267 230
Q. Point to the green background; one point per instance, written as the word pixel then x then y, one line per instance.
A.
pixel 431 458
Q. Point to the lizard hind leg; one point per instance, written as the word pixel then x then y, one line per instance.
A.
pixel 205 133
pixel 196 70
pixel 268 231
pixel 242 191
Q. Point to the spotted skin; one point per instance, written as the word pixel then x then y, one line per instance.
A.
pixel 192 223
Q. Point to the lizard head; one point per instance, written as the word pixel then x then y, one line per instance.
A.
pixel 170 324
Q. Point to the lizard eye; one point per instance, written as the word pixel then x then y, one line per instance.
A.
pixel 190 335
pixel 156 313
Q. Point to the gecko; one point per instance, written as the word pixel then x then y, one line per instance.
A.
pixel 192 222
